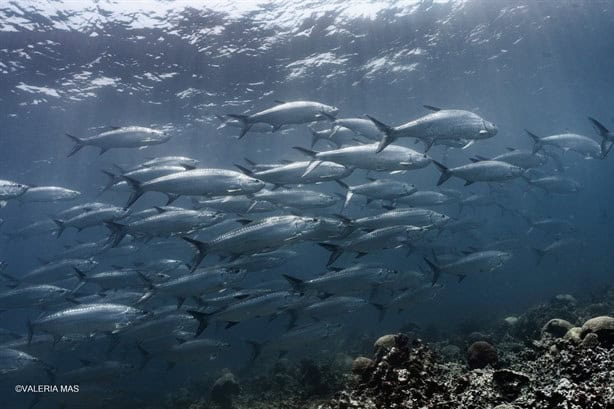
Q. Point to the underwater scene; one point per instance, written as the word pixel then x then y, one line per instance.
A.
pixel 310 204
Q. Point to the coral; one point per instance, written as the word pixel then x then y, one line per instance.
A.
pixel 480 354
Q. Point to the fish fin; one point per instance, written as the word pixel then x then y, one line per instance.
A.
pixel 386 130
pixel 328 116
pixel 360 254
pixel 468 182
pixel 304 151
pixel 280 101
pixel 435 269
pixel 171 198
pixel 180 301
pixel 112 180
pixel 381 310
pixel 250 162
pixel 202 318
pixel 14 281
pixel 539 253
pixel 103 150
pixel 136 186
pixel 243 222
pixel 312 166
pixel 80 274
pixel 468 144
pixel 445 172
pixel 145 356
pixel 335 250
pixel 314 136
pixel 256 348
pixel 201 251
pixel 510 149
pixel 78 144
pixel 432 108
pixel 118 232
pixel 244 120
pixel 61 226
pixel 230 324
pixel 244 170
pixel 537 143
pixel 297 284
pixel 428 144
pixel 461 277
pixel 600 128
pixel 478 158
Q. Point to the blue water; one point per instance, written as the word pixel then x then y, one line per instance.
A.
pixel 80 67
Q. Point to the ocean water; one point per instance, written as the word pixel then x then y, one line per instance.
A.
pixel 83 68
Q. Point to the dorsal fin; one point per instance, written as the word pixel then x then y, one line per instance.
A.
pixel 160 209
pixel 279 101
pixel 511 149
pixel 432 108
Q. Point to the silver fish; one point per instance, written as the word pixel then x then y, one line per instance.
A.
pixel 121 137
pixel 440 124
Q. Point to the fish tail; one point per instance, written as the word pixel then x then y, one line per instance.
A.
pixel 435 269
pixel 244 121
pixel 335 250
pixel 61 226
pixel 256 348
pixel 112 179
pixel 138 191
pixel 118 232
pixel 297 284
pixel 202 318
pixel 387 132
pixel 78 144
pixel 445 172
pixel 537 142
pixel 201 251
pixel 539 254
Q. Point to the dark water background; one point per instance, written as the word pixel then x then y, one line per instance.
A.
pixel 544 66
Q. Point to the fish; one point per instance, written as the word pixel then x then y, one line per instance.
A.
pixel 185 351
pixel 551 225
pixel 165 223
pixel 295 173
pixel 56 270
pixel 48 194
pixel 476 262
pixel 144 174
pixel 206 281
pixel 234 204
pixel 286 113
pixel 199 182
pixel 402 216
pixel 338 136
pixel 259 127
pixel 358 278
pixel 91 218
pixel 86 319
pixel 35 296
pixel 556 184
pixel 295 338
pixel 480 171
pixel 120 137
pixel 38 228
pixel 116 279
pixel 581 144
pixel 379 239
pixel 269 233
pixel 11 190
pixel 425 198
pixel 18 363
pixel 183 161
pixel 375 189
pixel 296 198
pixel 519 157
pixel 440 124
pixel 95 373
pixel 396 158
pixel 360 126
pixel 255 307
pixel 557 247
pixel 336 307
